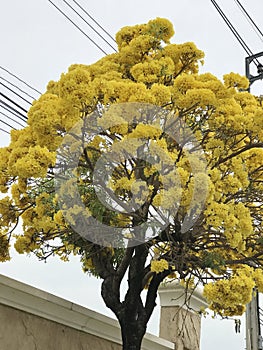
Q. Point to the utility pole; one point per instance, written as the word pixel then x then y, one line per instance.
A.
pixel 253 332
pixel 254 340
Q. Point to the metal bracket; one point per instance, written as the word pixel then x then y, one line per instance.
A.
pixel 253 78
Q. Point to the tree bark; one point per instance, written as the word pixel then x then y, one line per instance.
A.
pixel 132 335
pixel 131 313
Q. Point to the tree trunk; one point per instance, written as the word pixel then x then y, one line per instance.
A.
pixel 133 343
pixel 132 334
pixel 132 314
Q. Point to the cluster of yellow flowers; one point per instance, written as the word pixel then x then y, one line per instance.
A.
pixel 4 246
pixel 229 297
pixel 159 265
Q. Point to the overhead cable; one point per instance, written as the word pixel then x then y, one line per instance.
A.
pixel 13 111
pixel 9 108
pixel 232 28
pixel 17 87
pixel 15 121
pixel 1 121
pixel 22 81
pixel 86 12
pixel 236 34
pixel 5 131
pixel 14 92
pixel 105 40
pixel 250 20
pixel 13 102
pixel 69 19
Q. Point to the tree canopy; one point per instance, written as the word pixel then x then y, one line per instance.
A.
pixel 203 140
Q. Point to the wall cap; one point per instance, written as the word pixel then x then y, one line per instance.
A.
pixel 172 293
pixel 24 297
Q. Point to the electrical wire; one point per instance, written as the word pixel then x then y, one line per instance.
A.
pixel 250 20
pixel 9 108
pixel 236 34
pixel 13 102
pixel 8 88
pixel 105 40
pixel 12 111
pixel 22 81
pixel 1 121
pixel 15 121
pixel 86 12
pixel 69 19
pixel 5 131
pixel 18 88
pixel 232 28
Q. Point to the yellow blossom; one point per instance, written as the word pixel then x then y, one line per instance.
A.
pixel 159 265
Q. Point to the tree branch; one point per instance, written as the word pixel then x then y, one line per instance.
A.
pixel 122 268
pixel 152 292
pixel 246 148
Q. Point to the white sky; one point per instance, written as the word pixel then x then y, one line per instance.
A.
pixel 38 44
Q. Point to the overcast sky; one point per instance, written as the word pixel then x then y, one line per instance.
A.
pixel 38 44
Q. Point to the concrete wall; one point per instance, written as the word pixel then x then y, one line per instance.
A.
pixel 20 330
pixel 31 319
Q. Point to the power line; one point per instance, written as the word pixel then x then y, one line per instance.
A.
pixel 18 88
pixel 104 30
pixel 236 34
pixel 16 112
pixel 105 40
pixel 13 102
pixel 22 81
pixel 9 108
pixel 13 111
pixel 5 131
pixel 232 28
pixel 250 20
pixel 63 13
pixel 8 88
pixel 7 124
pixel 15 121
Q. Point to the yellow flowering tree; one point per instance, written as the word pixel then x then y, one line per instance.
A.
pixel 167 182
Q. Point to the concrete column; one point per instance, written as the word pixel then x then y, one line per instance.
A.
pixel 180 322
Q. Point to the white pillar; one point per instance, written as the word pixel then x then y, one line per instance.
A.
pixel 180 321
